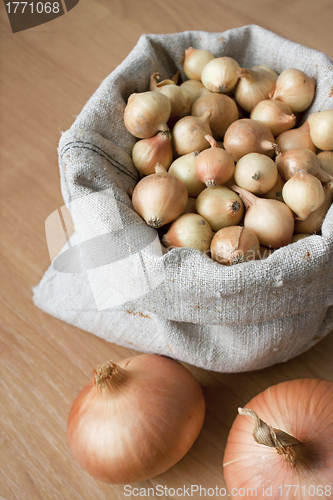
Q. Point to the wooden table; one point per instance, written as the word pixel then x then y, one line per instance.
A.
pixel 47 75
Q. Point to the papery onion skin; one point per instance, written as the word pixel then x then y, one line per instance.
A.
pixel 303 408
pixel 296 138
pixel 321 129
pixel 220 206
pixel 313 222
pixel 276 114
pixel 184 169
pixel 256 173
pixel 157 149
pixel 140 424
pixel 194 62
pixel 214 166
pixel 248 136
pixel 253 86
pixel 295 88
pixel 224 111
pixel 192 88
pixel 303 193
pixel 271 220
pixel 189 133
pixel 234 245
pixel 300 159
pixel 220 74
pixel 276 192
pixel 326 161
pixel 159 198
pixel 147 113
pixel 191 231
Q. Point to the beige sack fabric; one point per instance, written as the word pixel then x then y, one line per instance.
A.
pixel 113 279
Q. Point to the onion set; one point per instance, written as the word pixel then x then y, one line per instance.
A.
pixel 159 198
pixel 234 245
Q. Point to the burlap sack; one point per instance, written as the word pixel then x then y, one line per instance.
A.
pixel 113 279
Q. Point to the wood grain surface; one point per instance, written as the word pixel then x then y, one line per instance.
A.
pixel 47 75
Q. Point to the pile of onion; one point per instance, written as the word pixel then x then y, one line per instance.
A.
pixel 135 419
pixel 238 130
pixel 281 444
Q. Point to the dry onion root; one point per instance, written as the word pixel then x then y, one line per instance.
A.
pixel 293 453
pixel 136 419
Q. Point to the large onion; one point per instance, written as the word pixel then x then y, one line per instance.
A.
pixel 135 420
pixel 292 453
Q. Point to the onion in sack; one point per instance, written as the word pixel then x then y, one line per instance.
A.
pixel 159 198
pixel 135 420
pixel 292 452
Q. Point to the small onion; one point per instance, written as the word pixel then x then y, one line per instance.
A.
pixel 178 97
pixel 159 198
pixel 270 70
pixel 256 173
pixel 292 453
pixel 253 86
pixel 271 220
pixel 276 114
pixel 157 149
pixel 233 245
pixel 136 419
pixel 194 62
pixel 321 129
pixel 223 109
pixel 189 133
pixel 326 161
pixel 214 166
pixel 248 136
pixel 220 74
pixel 220 206
pixel 184 169
pixel 300 159
pixel 147 113
pixel 276 192
pixel 296 138
pixel 192 88
pixel 295 88
pixel 314 221
pixel 190 206
pixel 191 231
pixel 303 193
pixel 300 236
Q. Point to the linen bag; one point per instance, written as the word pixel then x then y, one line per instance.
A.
pixel 112 277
